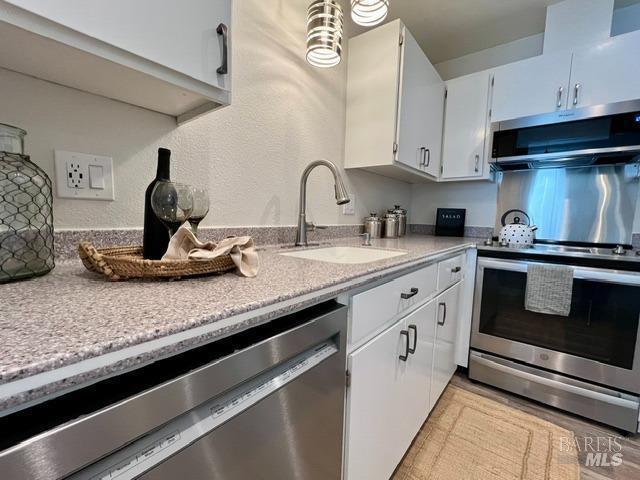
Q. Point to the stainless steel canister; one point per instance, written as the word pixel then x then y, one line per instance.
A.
pixel 373 225
pixel 401 213
pixel 391 224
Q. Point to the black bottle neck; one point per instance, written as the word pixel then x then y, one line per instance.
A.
pixel 164 172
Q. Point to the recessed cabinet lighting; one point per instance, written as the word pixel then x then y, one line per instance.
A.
pixel 369 12
pixel 324 33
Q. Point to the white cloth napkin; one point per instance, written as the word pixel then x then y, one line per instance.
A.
pixel 184 245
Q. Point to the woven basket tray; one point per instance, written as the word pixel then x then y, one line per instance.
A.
pixel 121 263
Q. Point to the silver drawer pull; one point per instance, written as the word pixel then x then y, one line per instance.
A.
pixel 456 269
pixel 576 93
pixel 559 103
pixel 413 292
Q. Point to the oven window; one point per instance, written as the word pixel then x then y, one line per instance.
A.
pixel 602 325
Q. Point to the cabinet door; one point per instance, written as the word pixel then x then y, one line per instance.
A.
pixel 444 363
pixel 607 72
pixel 179 35
pixel 532 86
pixel 465 126
pixel 421 326
pixel 421 109
pixel 376 427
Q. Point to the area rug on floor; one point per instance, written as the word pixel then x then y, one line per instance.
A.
pixel 471 437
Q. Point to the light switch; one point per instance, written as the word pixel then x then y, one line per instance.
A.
pixel 350 208
pixel 84 176
pixel 96 177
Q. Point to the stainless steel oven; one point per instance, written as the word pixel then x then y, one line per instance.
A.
pixel 587 362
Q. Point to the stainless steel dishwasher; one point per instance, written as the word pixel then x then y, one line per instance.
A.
pixel 266 403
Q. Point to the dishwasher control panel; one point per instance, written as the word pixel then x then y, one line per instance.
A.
pixel 152 449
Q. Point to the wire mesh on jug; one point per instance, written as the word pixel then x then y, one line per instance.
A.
pixel 26 219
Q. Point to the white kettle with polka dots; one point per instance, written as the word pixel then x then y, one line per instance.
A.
pixel 517 234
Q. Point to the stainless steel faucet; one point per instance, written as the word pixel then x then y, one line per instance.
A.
pixel 342 197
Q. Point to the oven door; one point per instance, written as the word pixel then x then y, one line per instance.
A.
pixel 598 341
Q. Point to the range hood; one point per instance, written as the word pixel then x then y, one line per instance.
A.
pixel 582 137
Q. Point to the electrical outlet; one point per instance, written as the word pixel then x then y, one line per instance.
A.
pixel 82 175
pixel 77 174
pixel 350 208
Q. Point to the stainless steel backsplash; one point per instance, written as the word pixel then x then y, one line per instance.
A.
pixel 595 204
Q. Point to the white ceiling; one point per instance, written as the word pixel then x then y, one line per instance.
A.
pixel 448 29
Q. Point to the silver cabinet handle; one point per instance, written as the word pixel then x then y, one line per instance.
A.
pixel 559 102
pixel 405 333
pixel 422 154
pixel 477 163
pixel 444 314
pixel 412 350
pixel 456 269
pixel 428 157
pixel 576 93
pixel 413 292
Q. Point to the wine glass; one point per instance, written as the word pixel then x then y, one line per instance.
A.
pixel 172 203
pixel 200 208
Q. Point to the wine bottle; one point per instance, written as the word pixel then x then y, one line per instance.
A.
pixel 155 237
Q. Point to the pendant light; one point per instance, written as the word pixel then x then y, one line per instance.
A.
pixel 369 12
pixel 324 33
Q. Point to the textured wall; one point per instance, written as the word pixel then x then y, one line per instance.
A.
pixel 285 114
pixel 479 198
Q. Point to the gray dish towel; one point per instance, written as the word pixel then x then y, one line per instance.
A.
pixel 549 289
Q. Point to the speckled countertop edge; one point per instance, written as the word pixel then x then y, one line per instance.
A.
pixel 421 250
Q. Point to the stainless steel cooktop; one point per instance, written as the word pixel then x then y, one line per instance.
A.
pixel 619 253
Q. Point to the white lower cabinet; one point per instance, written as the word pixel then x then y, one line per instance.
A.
pixel 444 363
pixel 415 404
pixel 404 335
pixel 389 395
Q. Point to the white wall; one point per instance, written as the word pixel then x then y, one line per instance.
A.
pixel 492 57
pixel 250 155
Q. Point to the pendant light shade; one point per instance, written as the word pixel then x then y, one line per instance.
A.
pixel 324 33
pixel 369 12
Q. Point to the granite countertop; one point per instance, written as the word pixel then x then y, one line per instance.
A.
pixel 72 327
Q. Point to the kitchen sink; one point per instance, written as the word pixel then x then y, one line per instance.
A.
pixel 345 254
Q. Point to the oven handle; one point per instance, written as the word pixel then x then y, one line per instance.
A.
pixel 583 392
pixel 580 273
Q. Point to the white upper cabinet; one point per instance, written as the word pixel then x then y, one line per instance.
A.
pixel 532 86
pixel 421 110
pixel 465 127
pixel 395 104
pixel 163 55
pixel 607 72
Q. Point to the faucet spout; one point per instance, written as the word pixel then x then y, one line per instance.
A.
pixel 341 194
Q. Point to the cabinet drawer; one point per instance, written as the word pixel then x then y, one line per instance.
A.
pixel 372 309
pixel 450 271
